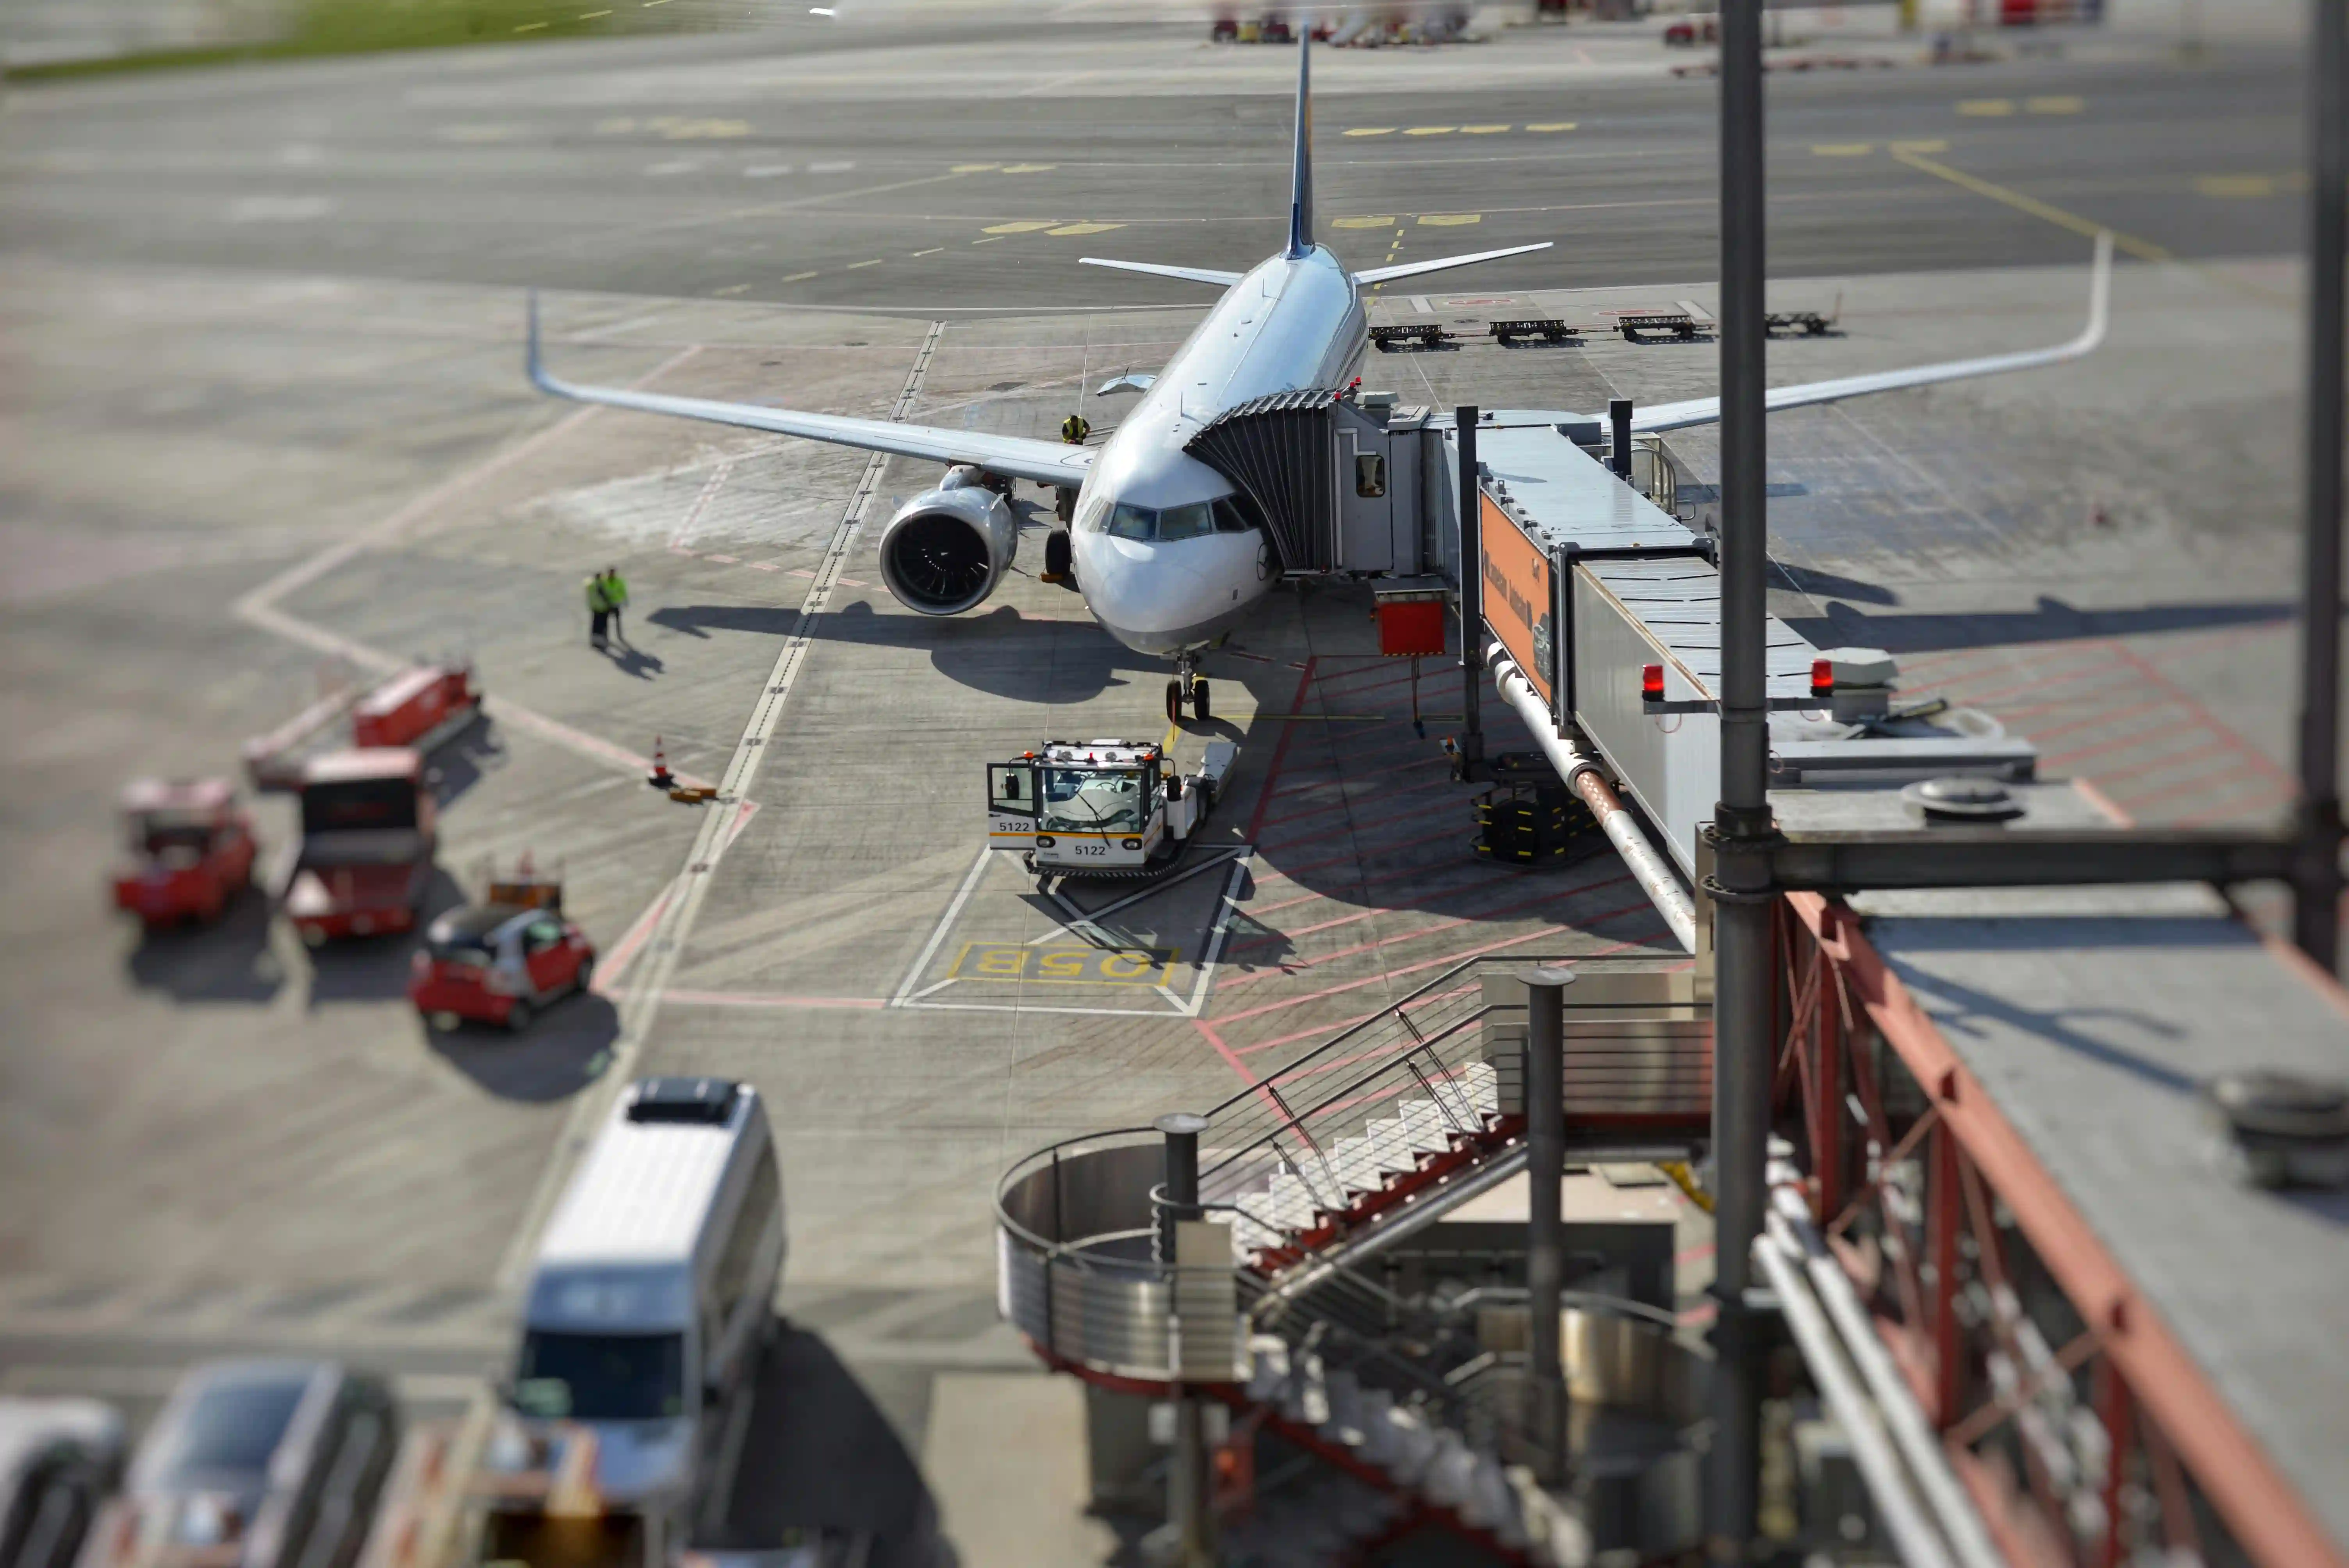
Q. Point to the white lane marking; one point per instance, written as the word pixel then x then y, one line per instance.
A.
pixel 641 1002
pixel 938 932
pixel 279 209
pixel 709 488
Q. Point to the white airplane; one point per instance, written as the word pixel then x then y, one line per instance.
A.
pixel 1168 553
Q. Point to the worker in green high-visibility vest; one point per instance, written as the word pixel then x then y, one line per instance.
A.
pixel 616 598
pixel 599 611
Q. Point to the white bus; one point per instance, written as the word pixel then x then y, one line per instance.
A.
pixel 653 1295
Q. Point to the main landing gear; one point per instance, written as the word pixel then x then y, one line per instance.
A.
pixel 1188 686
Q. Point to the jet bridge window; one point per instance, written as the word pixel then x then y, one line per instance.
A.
pixel 1370 474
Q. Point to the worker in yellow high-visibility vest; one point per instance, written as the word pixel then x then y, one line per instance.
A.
pixel 1075 428
pixel 599 611
pixel 616 597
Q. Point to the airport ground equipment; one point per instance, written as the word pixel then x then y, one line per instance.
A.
pixel 365 858
pixel 1638 328
pixel 1547 329
pixel 191 849
pixel 1418 334
pixel 1809 322
pixel 59 1458
pixel 1102 808
pixel 422 708
pixel 1533 824
pixel 504 960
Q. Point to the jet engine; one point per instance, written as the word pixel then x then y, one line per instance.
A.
pixel 945 551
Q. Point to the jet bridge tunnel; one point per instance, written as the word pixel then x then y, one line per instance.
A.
pixel 1589 585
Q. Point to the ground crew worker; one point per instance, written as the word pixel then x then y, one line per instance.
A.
pixel 1075 428
pixel 615 596
pixel 599 611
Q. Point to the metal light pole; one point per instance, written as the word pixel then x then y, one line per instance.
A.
pixel 1190 1502
pixel 1546 1238
pixel 1741 830
pixel 2316 900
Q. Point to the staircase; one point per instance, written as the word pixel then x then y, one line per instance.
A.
pixel 1306 1173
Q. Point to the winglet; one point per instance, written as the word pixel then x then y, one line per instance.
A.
pixel 1301 191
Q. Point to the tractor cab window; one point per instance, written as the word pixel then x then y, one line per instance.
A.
pixel 1095 800
pixel 166 834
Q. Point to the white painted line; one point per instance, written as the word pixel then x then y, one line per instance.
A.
pixel 667 945
pixel 1419 302
pixel 709 488
pixel 1223 929
pixel 938 934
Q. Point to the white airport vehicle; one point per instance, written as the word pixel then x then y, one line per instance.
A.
pixel 1101 808
pixel 650 1300
pixel 1172 549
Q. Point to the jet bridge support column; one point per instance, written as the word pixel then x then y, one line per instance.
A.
pixel 1472 597
pixel 1741 886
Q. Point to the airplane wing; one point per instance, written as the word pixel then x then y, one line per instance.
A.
pixel 1020 456
pixel 1445 263
pixel 1189 274
pixel 1705 410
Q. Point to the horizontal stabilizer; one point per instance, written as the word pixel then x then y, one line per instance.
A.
pixel 1129 383
pixel 1706 410
pixel 1222 280
pixel 1445 263
pixel 1019 456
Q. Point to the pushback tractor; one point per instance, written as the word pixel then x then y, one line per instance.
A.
pixel 1101 808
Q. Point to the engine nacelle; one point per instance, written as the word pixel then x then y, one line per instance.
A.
pixel 945 551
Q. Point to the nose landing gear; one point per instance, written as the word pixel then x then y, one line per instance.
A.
pixel 1188 687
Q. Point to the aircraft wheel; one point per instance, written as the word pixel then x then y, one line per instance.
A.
pixel 1174 702
pixel 1057 555
pixel 1199 699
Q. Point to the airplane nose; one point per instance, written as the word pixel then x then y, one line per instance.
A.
pixel 1138 588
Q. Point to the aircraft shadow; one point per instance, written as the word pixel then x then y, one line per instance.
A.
pixel 819 1456
pixel 999 651
pixel 561 1053
pixel 2052 621
pixel 227 961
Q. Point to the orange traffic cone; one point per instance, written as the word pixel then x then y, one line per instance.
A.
pixel 662 779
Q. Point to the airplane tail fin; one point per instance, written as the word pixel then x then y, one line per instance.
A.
pixel 1300 195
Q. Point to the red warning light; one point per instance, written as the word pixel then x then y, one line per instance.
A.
pixel 1823 678
pixel 1652 682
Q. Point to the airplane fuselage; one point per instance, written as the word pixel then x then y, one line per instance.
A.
pixel 1294 322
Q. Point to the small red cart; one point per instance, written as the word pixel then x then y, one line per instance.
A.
pixel 191 848
pixel 500 961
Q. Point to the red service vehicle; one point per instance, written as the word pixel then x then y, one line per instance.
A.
pixel 502 960
pixel 419 707
pixel 193 849
pixel 368 840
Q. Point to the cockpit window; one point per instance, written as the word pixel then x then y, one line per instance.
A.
pixel 1194 520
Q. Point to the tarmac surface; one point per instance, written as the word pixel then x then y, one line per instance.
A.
pixel 259 353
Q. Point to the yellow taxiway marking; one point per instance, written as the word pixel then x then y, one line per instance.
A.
pixel 1084 228
pixel 1449 219
pixel 1842 148
pixel 530 27
pixel 800 277
pixel 2143 249
pixel 675 129
pixel 973 168
pixel 2063 103
pixel 1372 131
pixel 2226 186
pixel 1986 107
pixel 1481 130
pixel 1028 168
pixel 1381 222
pixel 1431 130
pixel 933 251
pixel 855 265
pixel 1936 145
pixel 1024 226
pixel 732 289
pixel 1555 124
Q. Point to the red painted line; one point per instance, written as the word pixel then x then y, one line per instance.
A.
pixel 1292 874
pixel 2172 789
pixel 2108 716
pixel 2154 765
pixel 1416 906
pixel 1352 679
pixel 2211 722
pixel 1385 975
pixel 2104 803
pixel 2069 700
pixel 1426 930
pixel 2130 741
pixel 1258 658
pixel 1979 699
pixel 1257 911
pixel 1307 816
pixel 1280 751
pixel 615 963
pixel 755 999
pixel 1332 1029
pixel 764 566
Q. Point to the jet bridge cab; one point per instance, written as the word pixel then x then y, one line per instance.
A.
pixel 1101 808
